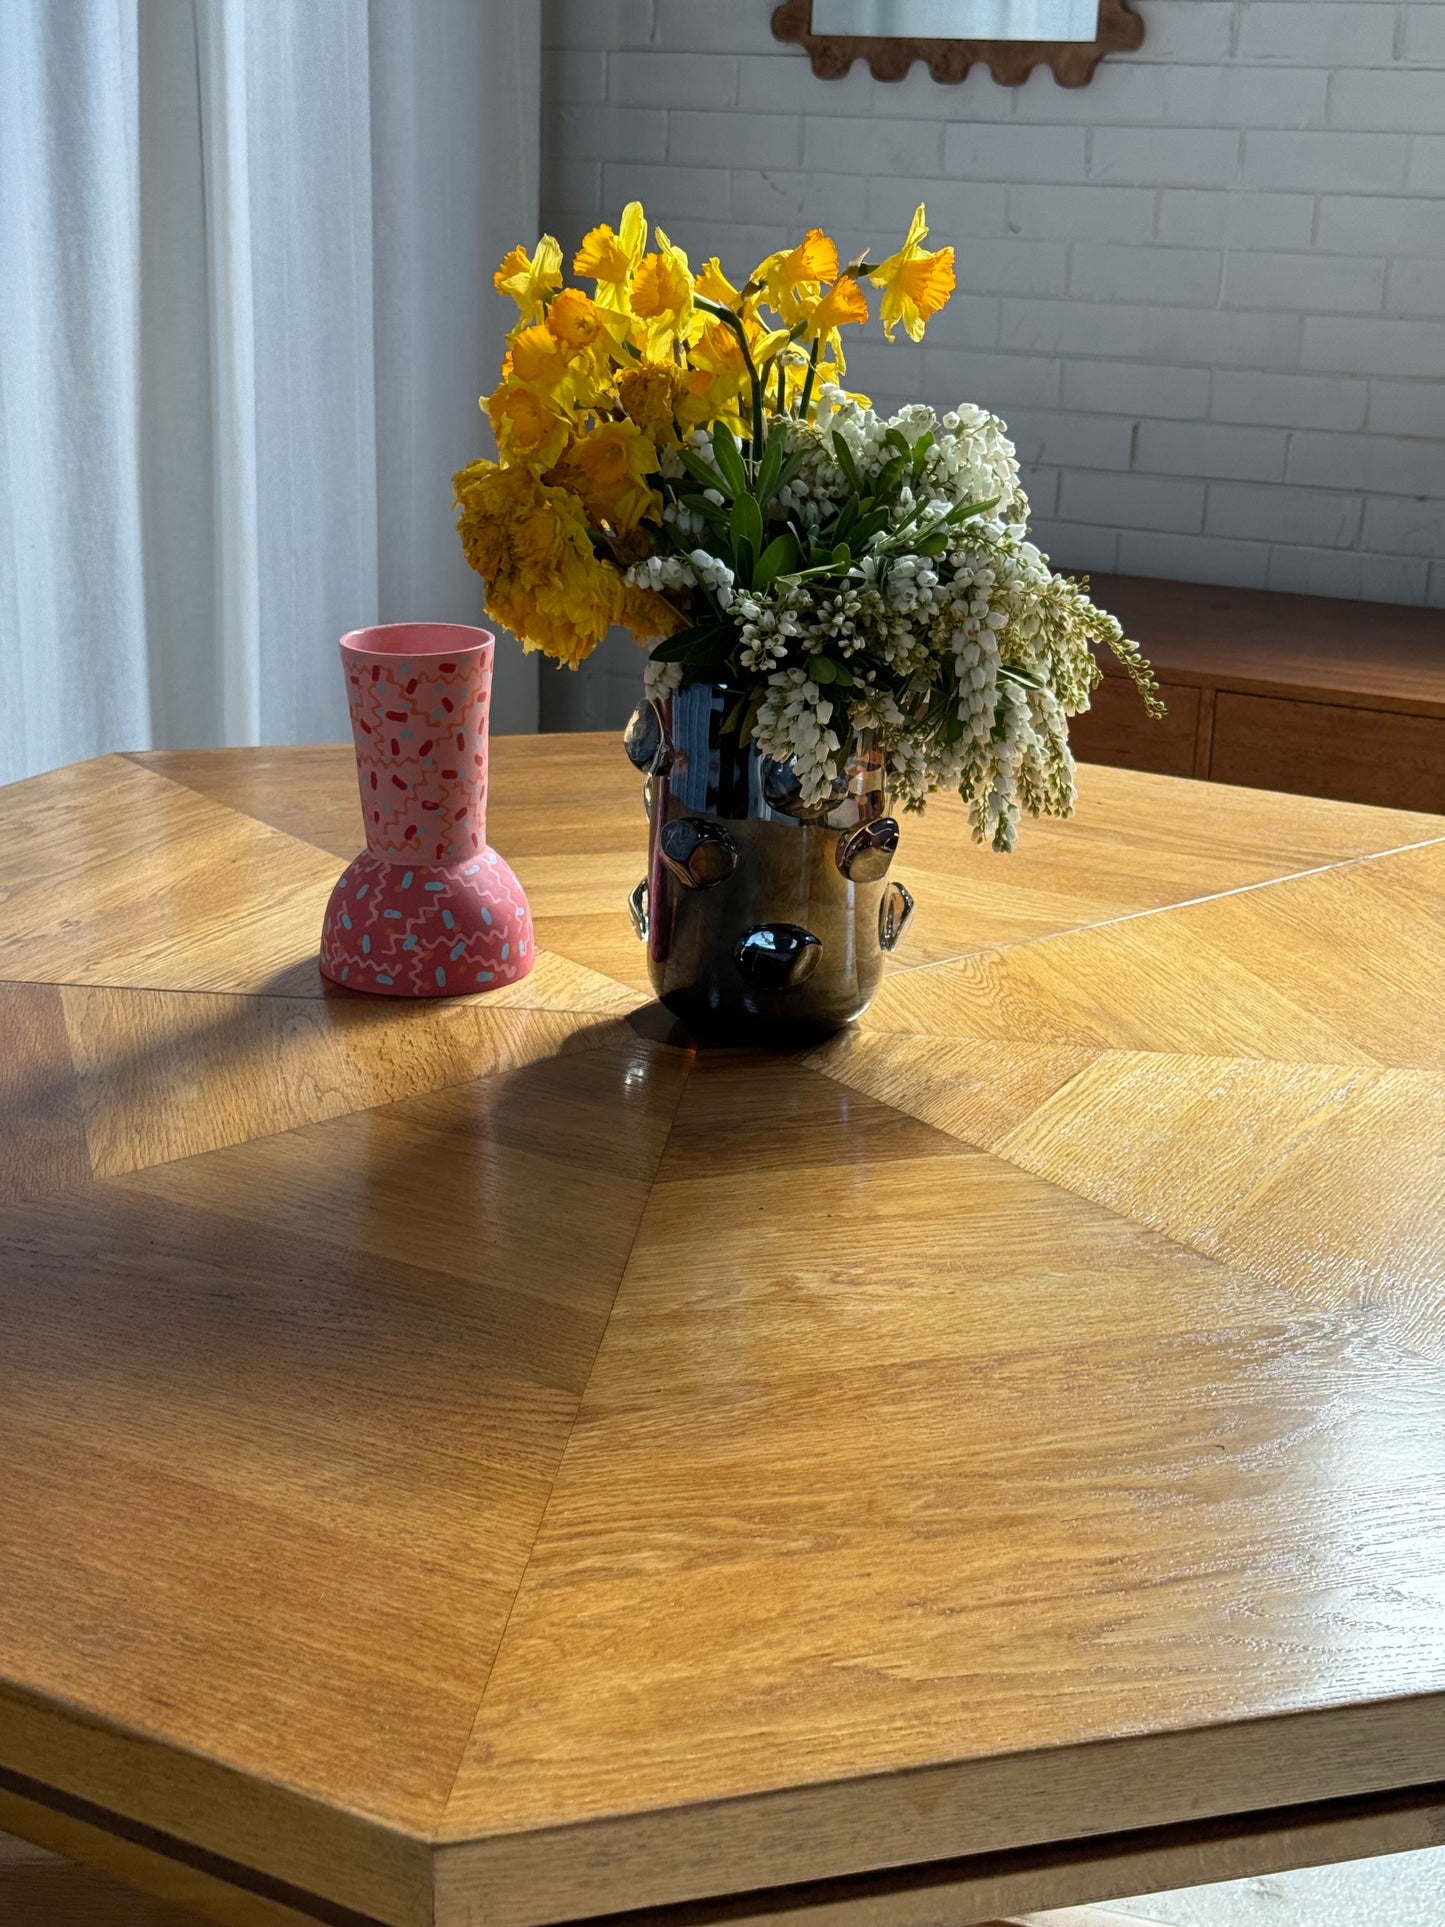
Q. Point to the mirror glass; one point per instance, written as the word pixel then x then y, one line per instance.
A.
pixel 959 19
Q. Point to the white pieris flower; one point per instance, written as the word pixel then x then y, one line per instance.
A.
pixel 659 679
pixel 661 572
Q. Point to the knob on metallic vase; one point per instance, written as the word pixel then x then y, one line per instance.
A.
pixel 643 737
pixel 783 792
pixel 778 956
pixel 864 854
pixel 698 853
pixel 895 913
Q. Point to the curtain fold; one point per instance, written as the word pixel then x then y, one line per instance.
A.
pixel 246 309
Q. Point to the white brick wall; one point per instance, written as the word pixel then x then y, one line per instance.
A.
pixel 1208 289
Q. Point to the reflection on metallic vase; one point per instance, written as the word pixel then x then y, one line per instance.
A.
pixel 763 921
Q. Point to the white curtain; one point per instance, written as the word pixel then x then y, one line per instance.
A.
pixel 245 314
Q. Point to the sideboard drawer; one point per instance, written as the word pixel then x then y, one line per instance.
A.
pixel 1327 749
pixel 1117 729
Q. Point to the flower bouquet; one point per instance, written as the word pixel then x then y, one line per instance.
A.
pixel 853 600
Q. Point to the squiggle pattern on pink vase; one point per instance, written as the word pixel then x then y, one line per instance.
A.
pixel 429 909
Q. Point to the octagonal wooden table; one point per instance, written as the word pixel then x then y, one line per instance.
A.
pixel 485 1463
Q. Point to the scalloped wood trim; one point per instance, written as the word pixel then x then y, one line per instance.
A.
pixel 1009 61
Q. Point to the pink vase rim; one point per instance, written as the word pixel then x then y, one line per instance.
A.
pixel 419 639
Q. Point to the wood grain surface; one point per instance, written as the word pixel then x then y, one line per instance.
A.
pixel 1328 749
pixel 487 1463
pixel 1110 731
pixel 1379 655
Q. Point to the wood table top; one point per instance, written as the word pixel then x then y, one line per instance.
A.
pixel 484 1463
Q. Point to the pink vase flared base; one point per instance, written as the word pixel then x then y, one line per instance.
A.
pixel 419 930
pixel 428 909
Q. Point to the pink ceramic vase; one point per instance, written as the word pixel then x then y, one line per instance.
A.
pixel 427 910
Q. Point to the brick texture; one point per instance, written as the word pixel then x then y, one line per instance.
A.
pixel 1207 289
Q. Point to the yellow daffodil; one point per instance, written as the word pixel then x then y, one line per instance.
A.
pixel 662 299
pixel 573 319
pixel 764 343
pixel 594 384
pixel 713 285
pixel 718 350
pixel 530 543
pixel 527 430
pixel 543 362
pixel 648 392
pixel 845 301
pixel 716 378
pixel 707 399
pixel 793 279
pixel 587 329
pixel 531 279
pixel 608 470
pixel 610 258
pixel 648 615
pixel 915 283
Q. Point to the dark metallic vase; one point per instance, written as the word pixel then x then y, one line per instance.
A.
pixel 764 922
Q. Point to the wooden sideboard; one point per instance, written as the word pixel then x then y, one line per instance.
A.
pixel 1280 692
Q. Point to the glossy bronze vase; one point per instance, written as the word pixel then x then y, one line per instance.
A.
pixel 764 922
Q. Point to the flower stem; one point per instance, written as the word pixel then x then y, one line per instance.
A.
pixel 735 322
pixel 811 378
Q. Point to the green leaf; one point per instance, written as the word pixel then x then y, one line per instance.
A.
pixel 823 669
pixel 873 523
pixel 778 558
pixel 734 717
pixel 843 455
pixel 920 452
pixel 729 461
pixel 1015 672
pixel 676 648
pixel 842 555
pixel 847 516
pixel 895 438
pixel 696 646
pixel 931 545
pixel 702 471
pixel 770 468
pixel 745 558
pixel 747 523
pixel 966 511
pixel 700 505
pixel 889 476
pixel 790 467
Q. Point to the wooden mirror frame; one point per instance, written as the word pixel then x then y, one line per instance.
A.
pixel 1009 61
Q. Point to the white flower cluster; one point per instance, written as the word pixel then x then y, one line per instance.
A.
pixel 947 635
pixel 662 572
pixel 797 712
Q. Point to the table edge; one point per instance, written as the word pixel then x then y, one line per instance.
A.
pixel 849 1828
